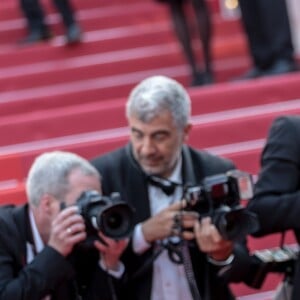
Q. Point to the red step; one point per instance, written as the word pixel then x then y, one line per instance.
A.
pixel 46 124
pixel 205 99
pixel 245 159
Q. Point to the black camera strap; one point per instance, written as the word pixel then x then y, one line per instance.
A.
pixel 189 271
pixel 178 254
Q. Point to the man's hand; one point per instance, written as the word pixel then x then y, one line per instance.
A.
pixel 210 241
pixel 111 250
pixel 67 230
pixel 165 224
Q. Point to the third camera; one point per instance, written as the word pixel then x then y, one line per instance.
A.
pixel 219 196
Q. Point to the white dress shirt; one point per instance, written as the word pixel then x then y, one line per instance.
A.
pixel 38 245
pixel 169 280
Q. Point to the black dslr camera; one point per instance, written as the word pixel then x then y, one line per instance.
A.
pixel 219 196
pixel 110 215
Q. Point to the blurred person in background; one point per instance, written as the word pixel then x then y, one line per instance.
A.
pixel 268 31
pixel 181 22
pixel 38 30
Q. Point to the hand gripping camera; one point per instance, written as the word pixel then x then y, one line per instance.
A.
pixel 110 215
pixel 219 196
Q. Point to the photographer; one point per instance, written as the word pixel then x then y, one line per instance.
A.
pixel 278 187
pixel 39 253
pixel 150 173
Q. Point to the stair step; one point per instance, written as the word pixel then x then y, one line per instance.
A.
pixel 264 95
pixel 73 98
pixel 155 58
pixel 39 125
pixel 211 130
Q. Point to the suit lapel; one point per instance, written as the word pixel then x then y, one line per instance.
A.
pixel 21 219
pixel 136 186
pixel 188 174
pixel 199 263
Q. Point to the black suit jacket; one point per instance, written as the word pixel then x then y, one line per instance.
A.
pixel 121 173
pixel 49 272
pixel 268 31
pixel 277 191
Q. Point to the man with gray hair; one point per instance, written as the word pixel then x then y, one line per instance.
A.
pixel 150 173
pixel 38 254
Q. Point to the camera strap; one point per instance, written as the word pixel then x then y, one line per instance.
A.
pixel 189 271
pixel 183 257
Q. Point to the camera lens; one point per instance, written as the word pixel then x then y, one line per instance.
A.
pixel 114 218
pixel 114 221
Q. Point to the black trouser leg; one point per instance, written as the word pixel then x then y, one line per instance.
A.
pixel 183 34
pixel 204 26
pixel 66 11
pixel 33 14
pixel 277 29
pixel 267 26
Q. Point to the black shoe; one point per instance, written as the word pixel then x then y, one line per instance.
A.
pixel 73 34
pixel 202 78
pixel 280 67
pixel 36 35
pixel 250 74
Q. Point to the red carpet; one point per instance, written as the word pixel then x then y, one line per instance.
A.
pixel 72 98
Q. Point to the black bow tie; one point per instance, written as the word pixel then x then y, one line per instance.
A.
pixel 167 186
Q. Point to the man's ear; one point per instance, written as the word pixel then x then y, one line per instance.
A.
pixel 46 203
pixel 186 131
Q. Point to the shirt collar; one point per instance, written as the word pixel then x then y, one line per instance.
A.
pixel 38 242
pixel 176 174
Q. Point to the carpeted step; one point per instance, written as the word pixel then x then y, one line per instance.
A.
pixel 98 88
pixel 206 99
pixel 60 66
pixel 57 97
pixel 23 155
pixel 208 116
pixel 10 9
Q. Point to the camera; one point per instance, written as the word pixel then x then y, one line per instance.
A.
pixel 108 214
pixel 219 196
pixel 274 260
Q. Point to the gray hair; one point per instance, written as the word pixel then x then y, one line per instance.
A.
pixel 49 174
pixel 156 94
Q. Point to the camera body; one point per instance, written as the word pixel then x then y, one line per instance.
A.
pixel 110 215
pixel 274 260
pixel 279 259
pixel 219 196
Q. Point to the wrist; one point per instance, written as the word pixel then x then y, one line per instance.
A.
pixel 109 263
pixel 139 244
pixel 117 273
pixel 147 234
pixel 221 254
pixel 221 262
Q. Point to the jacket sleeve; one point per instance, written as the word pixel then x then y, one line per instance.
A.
pixel 35 280
pixel 277 192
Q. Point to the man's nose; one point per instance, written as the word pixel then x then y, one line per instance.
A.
pixel 147 147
